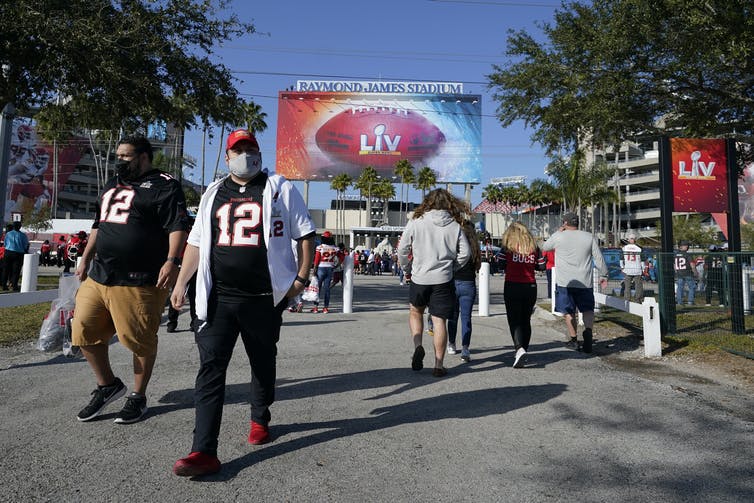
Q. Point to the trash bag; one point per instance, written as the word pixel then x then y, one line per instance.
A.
pixel 52 332
pixel 311 292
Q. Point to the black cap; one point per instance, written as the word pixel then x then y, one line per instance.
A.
pixel 683 242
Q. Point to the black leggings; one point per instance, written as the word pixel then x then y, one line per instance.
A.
pixel 519 302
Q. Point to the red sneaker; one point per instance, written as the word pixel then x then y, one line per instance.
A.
pixel 314 310
pixel 325 310
pixel 195 464
pixel 259 434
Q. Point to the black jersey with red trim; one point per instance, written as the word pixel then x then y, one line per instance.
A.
pixel 133 222
pixel 239 253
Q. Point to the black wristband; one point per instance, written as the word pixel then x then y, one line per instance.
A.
pixel 174 260
pixel 302 280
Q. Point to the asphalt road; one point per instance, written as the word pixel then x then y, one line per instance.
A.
pixel 353 422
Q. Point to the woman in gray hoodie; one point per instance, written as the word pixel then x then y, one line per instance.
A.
pixel 434 239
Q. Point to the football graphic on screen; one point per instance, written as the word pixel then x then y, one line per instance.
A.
pixel 379 137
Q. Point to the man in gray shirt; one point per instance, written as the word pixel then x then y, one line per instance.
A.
pixel 576 254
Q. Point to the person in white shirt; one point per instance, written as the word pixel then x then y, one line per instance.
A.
pixel 631 265
pixel 241 247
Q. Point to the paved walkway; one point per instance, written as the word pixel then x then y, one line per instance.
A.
pixel 352 422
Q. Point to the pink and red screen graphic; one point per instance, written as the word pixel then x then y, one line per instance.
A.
pixel 700 175
pixel 31 176
pixel 322 134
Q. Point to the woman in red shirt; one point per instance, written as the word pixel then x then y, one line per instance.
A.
pixel 521 258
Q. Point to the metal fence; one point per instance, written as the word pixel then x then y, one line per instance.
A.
pixel 704 297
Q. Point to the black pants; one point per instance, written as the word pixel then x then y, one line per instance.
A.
pixel 14 261
pixel 715 282
pixel 259 322
pixel 519 302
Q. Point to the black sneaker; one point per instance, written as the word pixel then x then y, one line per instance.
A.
pixel 103 395
pixel 172 325
pixel 417 361
pixel 572 343
pixel 587 346
pixel 135 408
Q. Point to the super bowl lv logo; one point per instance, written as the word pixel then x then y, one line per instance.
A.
pixel 383 143
pixel 697 170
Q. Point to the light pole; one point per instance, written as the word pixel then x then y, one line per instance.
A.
pixel 6 130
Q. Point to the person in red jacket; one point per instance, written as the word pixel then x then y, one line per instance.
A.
pixel 44 253
pixel 549 257
pixel 520 259
pixel 74 249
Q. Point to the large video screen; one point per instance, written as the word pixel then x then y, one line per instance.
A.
pixel 323 134
pixel 30 168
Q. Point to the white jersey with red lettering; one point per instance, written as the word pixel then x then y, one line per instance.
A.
pixel 327 256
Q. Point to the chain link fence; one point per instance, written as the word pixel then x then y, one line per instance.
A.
pixel 705 297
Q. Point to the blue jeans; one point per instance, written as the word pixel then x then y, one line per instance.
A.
pixel 680 282
pixel 324 276
pixel 465 295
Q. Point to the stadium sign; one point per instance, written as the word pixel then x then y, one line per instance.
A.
pixel 508 180
pixel 388 87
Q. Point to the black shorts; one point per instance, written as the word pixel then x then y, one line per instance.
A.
pixel 441 299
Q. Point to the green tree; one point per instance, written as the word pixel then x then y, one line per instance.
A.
pixel 579 183
pixel 134 59
pixel 384 190
pixel 340 184
pixel 543 193
pixel 192 197
pixel 690 228
pixel 425 180
pixel 405 171
pixel 38 219
pixel 365 184
pixel 606 70
pixel 567 175
pixel 747 237
pixel 250 114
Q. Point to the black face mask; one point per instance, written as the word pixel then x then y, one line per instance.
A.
pixel 126 171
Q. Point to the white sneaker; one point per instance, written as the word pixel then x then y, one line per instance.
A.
pixel 452 349
pixel 520 358
pixel 465 355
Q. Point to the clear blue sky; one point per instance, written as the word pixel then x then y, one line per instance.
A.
pixel 439 41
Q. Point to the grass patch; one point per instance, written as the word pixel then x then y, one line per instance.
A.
pixel 22 323
pixel 47 282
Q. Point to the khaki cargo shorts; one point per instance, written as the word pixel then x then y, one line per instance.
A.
pixel 133 312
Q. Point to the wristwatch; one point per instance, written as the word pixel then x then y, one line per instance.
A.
pixel 301 280
pixel 175 260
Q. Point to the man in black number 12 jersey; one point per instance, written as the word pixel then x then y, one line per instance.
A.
pixel 136 239
pixel 252 246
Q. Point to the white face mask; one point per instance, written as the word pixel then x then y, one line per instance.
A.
pixel 246 165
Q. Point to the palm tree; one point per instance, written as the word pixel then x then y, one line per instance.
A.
pixel 365 183
pixel 254 117
pixel 542 193
pixel 339 184
pixel 384 190
pixel 597 190
pixel 425 180
pixel 565 171
pixel 405 171
pixel 250 114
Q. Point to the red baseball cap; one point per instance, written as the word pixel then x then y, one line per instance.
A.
pixel 240 135
pixel 327 234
